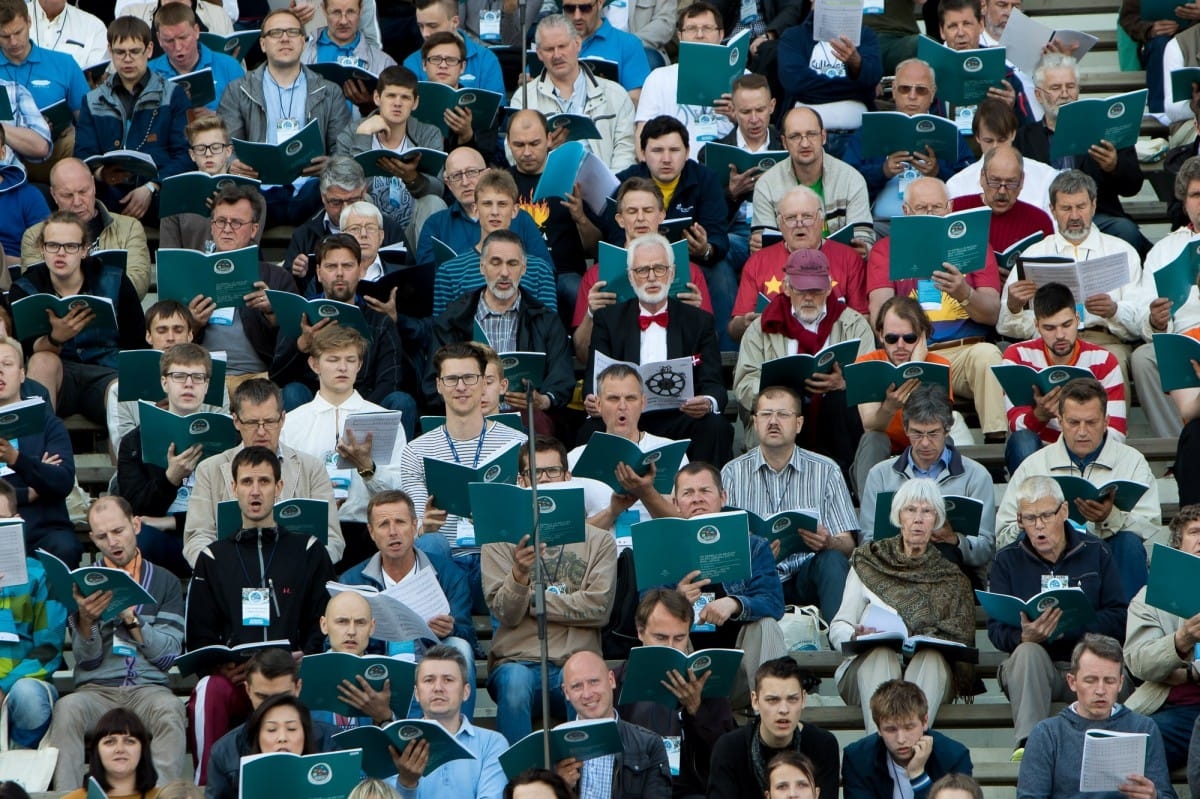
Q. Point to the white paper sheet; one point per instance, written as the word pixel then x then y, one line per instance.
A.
pixel 834 18
pixel 1109 757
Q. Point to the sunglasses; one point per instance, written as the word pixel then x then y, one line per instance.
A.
pixel 893 338
pixel 582 8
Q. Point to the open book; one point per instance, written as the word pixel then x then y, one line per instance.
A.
pixel 891 631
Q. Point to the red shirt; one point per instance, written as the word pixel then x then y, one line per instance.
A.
pixel 1011 226
pixel 763 274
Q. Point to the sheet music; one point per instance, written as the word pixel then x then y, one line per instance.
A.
pixel 12 553
pixel 667 383
pixel 383 427
pixel 596 182
pixel 1084 278
pixel 1023 40
pixel 422 594
pixel 834 18
pixel 1109 757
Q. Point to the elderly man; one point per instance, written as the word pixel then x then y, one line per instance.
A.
pixel 1115 172
pixel 1110 320
pixel 74 190
pixel 801 219
pixel 653 327
pixel 994 124
pixel 1086 449
pixel 341 42
pixel 804 319
pixel 1000 179
pixel 178 31
pixel 566 86
pixel 963 307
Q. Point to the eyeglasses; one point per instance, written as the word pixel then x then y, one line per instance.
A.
pixel 179 378
pixel 279 33
pixel 260 424
pixel 582 8
pixel 1010 185
pixel 133 52
pixel 360 230
pixel 767 416
pixel 444 60
pixel 334 202
pixel 925 435
pixel 796 220
pixel 908 88
pixel 643 272
pixel 452 381
pixel 699 30
pixel 220 223
pixel 69 247
pixel 802 135
pixel 209 149
pixel 927 210
pixel 463 174
pixel 546 473
pixel 893 338
pixel 1038 519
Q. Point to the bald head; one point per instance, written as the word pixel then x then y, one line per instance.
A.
pixel 458 162
pixel 348 623
pixel 589 684
pixel 528 141
pixel 73 188
pixel 1001 178
pixel 926 196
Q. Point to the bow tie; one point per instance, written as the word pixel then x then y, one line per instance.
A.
pixel 659 319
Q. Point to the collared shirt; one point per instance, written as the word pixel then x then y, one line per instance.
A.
pixel 225 70
pixel 578 99
pixel 624 48
pixel 654 338
pixel 596 781
pixel 500 327
pixel 74 31
pixel 1081 462
pixel 25 115
pixel 284 102
pixel 126 97
pixel 48 75
pixel 808 480
pixel 481 70
pixel 480 777
pixel 935 468
pixel 329 51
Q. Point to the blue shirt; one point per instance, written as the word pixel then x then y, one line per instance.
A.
pixel 329 51
pixel 936 468
pixel 49 76
pixel 480 778
pixel 284 102
pixel 225 70
pixel 482 69
pixel 461 233
pixel 25 115
pixel 624 48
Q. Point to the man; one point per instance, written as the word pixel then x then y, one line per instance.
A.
pixel 961 23
pixel 1001 178
pixel 963 308
pixel 744 614
pixel 995 124
pixel 28 133
pixel 258 416
pixel 1116 173
pixel 739 758
pixel 513 320
pixel 637 332
pixel 843 190
pixel 481 69
pixel 80 34
pixel 927 422
pixel 803 319
pixel 341 42
pixel 123 661
pixel 566 86
pixel 1055 757
pixel 160 496
pixel 600 39
pixel 211 151
pixel 25 202
pixel 1051 552
pixel 995 19
pixel 664 617
pixel 778 475
pixel 1111 320
pixel 392 527
pixel 74 189
pixel 1160 651
pixel 274 110
pixel 876 766
pixel 640 768
pixel 134 109
pixel 444 56
pixel 1058 344
pixel 348 625
pixel 178 32
pixel 801 220
pixel 444 685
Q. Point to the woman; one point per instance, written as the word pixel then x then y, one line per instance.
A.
pixel 281 724
pixel 790 775
pixel 932 596
pixel 119 758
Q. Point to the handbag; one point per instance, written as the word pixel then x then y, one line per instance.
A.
pixel 32 769
pixel 803 629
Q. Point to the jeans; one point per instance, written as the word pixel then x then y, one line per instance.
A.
pixel 1152 60
pixel 516 689
pixel 1129 553
pixel 30 702
pixel 821 580
pixel 1175 723
pixel 1020 445
pixel 165 549
pixel 722 288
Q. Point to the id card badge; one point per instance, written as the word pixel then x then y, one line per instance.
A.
pixel 963 117
pixel 350 61
pixel 8 627
pixel 256 607
pixel 285 129
pixel 872 6
pixel 222 317
pixel 907 176
pixel 699 605
pixel 928 295
pixel 621 529
pixel 672 743
pixel 489 25
pixel 402 650
pixel 465 535
pixel 558 589
pixel 1053 582
pixel 747 211
pixel 123 647
pixel 706 128
pixel 749 12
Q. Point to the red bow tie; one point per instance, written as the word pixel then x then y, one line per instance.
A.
pixel 659 319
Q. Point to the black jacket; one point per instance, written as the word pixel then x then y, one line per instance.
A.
pixel 304 241
pixel 866 774
pixel 733 775
pixel 699 195
pixel 259 332
pixel 225 759
pixel 1033 140
pixel 640 769
pixel 145 485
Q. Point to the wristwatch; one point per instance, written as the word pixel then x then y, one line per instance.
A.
pixel 152 187
pixel 367 473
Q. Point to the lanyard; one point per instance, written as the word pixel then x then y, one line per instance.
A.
pixel 291 93
pixel 478 445
pixel 266 569
pixel 776 500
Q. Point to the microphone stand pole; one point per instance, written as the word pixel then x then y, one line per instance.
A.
pixel 521 9
pixel 539 574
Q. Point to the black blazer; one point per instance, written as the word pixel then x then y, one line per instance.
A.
pixel 1033 141
pixel 690 331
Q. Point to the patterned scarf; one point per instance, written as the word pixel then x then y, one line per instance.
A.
pixel 778 318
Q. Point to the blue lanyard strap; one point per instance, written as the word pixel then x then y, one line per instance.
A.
pixel 478 445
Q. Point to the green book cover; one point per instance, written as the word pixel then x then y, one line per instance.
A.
pixel 1125 493
pixel 191 192
pixel 964 514
pixel 761 303
pixel 666 549
pixel 1018 380
pixel 1083 123
pixel 204 660
pixel 582 739
pixel 6 109
pixel 442 251
pixel 1077 612
pixel 1170 570
pixel 1175 280
pixel 90 579
pixel 604 451
pixel 94 791
pixel 887 132
pixel 289 307
pixel 612 268
pixel 785 528
pixel 199 87
pixel 325 775
pixel 1007 258
pixel 436 98
pixel 29 313
pixel 1175 353
pixel 648 667
pixel 236 45
pixel 341 73
pixel 1154 10
pixel 673 229
pixel 504 513
pixel 963 76
pixel 522 366
pixel 161 428
pixel 921 244
pixel 320 676
pixel 96 72
pixel 448 482
pixel 429 162
pixel 280 164
pixel 793 370
pixel 59 117
pixel 706 71
pixel 561 171
pixel 226 277
pixel 374 742
pixel 843 235
pixel 512 420
pixel 578 126
pixel 24 418
pixel 719 157
pixel 299 515
pixel 868 381
pixel 134 162
pixel 1181 83
pixel 138 377
pixel 602 67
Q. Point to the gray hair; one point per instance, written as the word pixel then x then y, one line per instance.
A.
pixel 990 154
pixel 1190 171
pixel 919 489
pixel 649 240
pixel 555 21
pixel 911 62
pixel 1102 646
pixel 1072 181
pixel 928 404
pixel 1038 487
pixel 342 172
pixel 1054 61
pixel 360 208
pixel 803 192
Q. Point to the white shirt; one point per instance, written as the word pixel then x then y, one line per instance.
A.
pixel 1175 108
pixel 654 338
pixel 1035 108
pixel 658 99
pixel 74 31
pixel 597 495
pixel 1167 250
pixel 1035 190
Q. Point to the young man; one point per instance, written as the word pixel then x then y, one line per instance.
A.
pixel 481 69
pixel 178 30
pixel 903 751
pixel 443 55
pixel 995 124
pixel 211 151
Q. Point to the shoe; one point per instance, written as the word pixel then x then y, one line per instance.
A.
pixel 1017 755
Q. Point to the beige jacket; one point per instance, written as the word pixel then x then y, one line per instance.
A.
pixel 1150 653
pixel 120 233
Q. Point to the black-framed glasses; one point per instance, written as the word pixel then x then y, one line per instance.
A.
pixel 182 377
pixel 643 272
pixel 546 472
pixel 69 247
pixel 452 381
pixel 279 33
pixel 209 149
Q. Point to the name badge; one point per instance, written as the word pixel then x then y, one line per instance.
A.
pixel 963 117
pixel 872 6
pixel 8 626
pixel 222 317
pixel 465 535
pixel 928 295
pixel 749 12
pixel 672 743
pixel 622 531
pixel 123 647
pixel 558 589
pixel 1053 582
pixel 699 605
pixel 256 607
pixel 906 177
pixel 705 128
pixel 285 129
pixel 489 25
pixel 349 61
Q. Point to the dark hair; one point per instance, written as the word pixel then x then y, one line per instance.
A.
pixel 501 236
pixel 256 391
pixel 750 82
pixel 254 724
pixel 440 38
pixel 272 663
pixel 1082 390
pixel 663 125
pixel 896 700
pixel 784 668
pixel 927 404
pixel 618 371
pixel 9 11
pixel 8 788
pixel 542 444
pixel 7 491
pixel 672 601
pixel 907 309
pixel 795 760
pixel 700 467
pixel 338 241
pixel 389 496
pixel 527 113
pixel 956 782
pixel 774 391
pixel 165 309
pixel 958 5
pixel 396 75
pixel 997 116
pixel 535 775
pixel 446 652
pixel 234 193
pixel 121 721
pixel 256 456
pixel 699 9
pixel 61 217
pixel 128 28
pixel 1185 516
pixel 455 350
pixel 1051 298
pixel 640 184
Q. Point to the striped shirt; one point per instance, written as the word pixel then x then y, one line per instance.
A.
pixel 808 480
pixel 461 274
pixel 1099 361
pixel 500 328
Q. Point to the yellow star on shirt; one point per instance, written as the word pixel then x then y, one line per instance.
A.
pixel 772 286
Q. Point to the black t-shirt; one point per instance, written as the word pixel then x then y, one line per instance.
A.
pixel 555 222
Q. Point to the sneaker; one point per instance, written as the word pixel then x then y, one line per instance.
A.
pixel 1017 755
